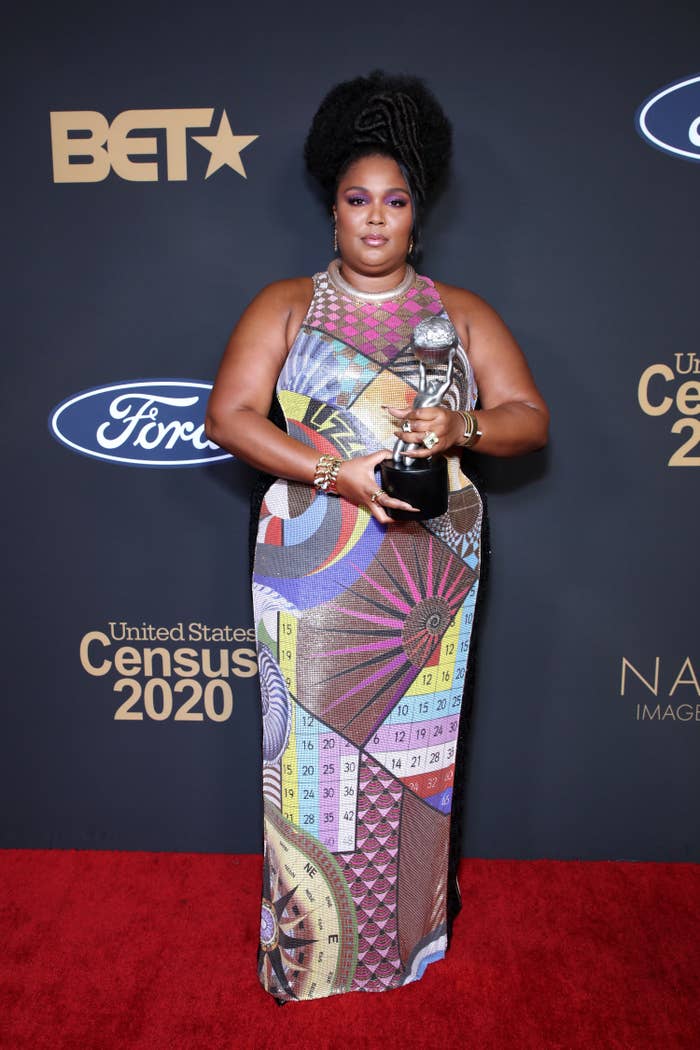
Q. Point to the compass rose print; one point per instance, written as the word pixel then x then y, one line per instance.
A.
pixel 282 940
pixel 308 923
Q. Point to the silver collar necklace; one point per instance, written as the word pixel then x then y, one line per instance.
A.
pixel 346 288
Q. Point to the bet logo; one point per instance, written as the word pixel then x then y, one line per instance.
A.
pixel 86 147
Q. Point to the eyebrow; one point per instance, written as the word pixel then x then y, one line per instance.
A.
pixel 363 189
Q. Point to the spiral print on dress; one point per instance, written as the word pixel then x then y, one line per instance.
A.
pixel 277 717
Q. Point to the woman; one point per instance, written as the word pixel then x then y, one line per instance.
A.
pixel 363 623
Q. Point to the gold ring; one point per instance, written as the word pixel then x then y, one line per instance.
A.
pixel 375 495
pixel 430 439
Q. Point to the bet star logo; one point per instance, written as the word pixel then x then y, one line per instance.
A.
pixel 85 147
pixel 225 148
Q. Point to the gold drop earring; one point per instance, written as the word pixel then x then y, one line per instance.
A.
pixel 410 246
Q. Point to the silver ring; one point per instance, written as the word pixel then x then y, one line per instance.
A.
pixel 375 495
pixel 430 439
pixel 406 426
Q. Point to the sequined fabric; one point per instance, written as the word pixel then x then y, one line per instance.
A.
pixel 363 636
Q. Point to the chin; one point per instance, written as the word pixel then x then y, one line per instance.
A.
pixel 378 258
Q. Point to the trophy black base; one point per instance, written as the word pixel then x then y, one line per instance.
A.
pixel 424 485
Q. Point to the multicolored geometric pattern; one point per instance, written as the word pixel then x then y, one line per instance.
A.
pixel 363 639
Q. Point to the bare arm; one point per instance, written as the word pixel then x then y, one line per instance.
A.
pixel 245 383
pixel 513 416
pixel 243 390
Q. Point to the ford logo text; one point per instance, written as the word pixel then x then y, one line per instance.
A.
pixel 670 119
pixel 149 423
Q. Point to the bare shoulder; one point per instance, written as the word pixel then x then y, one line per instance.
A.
pixel 463 305
pixel 259 344
pixel 290 294
pixel 276 313
pixel 479 326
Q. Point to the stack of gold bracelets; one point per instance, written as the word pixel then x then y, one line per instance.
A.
pixel 326 473
pixel 471 428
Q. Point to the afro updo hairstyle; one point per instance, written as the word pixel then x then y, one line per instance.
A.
pixel 395 116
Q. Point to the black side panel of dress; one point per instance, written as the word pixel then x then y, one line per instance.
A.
pixel 262 484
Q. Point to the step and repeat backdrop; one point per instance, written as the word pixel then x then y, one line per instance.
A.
pixel 152 183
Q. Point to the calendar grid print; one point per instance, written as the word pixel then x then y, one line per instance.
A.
pixel 320 770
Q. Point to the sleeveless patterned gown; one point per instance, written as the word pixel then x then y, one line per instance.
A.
pixel 363 635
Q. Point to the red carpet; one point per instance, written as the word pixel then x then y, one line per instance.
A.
pixel 156 951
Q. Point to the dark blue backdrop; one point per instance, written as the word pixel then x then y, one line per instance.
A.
pixel 576 229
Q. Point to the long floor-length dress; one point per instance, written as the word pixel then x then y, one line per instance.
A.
pixel 363 636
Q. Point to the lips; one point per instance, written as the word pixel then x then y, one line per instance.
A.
pixel 374 240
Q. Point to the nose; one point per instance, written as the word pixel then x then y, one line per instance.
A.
pixel 376 215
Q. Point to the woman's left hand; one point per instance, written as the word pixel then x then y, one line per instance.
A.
pixel 446 425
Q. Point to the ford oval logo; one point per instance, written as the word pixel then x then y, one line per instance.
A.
pixel 149 423
pixel 670 119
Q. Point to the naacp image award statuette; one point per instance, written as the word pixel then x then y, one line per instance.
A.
pixel 423 482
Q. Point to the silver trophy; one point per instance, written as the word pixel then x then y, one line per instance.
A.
pixel 423 482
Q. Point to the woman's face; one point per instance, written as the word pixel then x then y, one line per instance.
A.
pixel 374 217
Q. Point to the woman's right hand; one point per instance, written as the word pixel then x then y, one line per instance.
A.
pixel 357 482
